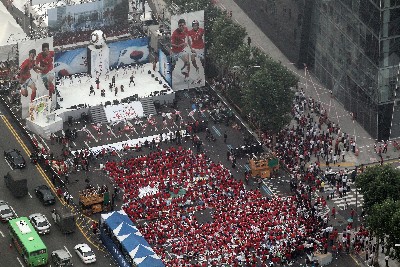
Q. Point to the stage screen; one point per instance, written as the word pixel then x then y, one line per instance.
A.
pixel 70 62
pixel 121 53
pixel 164 66
pixel 187 50
pixel 36 71
pixel 129 52
pixel 72 24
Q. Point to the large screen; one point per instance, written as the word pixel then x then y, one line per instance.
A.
pixel 36 71
pixel 121 53
pixel 164 66
pixel 187 50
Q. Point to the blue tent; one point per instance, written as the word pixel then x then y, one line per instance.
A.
pixel 150 261
pixel 115 218
pixel 141 252
pixel 126 229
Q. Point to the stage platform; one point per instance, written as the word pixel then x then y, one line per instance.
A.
pixel 74 92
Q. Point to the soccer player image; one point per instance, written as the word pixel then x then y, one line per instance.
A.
pixel 44 62
pixel 180 48
pixel 196 43
pixel 25 78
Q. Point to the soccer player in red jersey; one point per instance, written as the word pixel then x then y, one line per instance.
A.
pixel 196 42
pixel 179 47
pixel 44 62
pixel 24 76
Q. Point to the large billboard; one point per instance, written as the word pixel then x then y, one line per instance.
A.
pixel 121 53
pixel 36 71
pixel 187 50
pixel 106 15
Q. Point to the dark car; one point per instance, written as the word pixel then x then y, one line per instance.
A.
pixel 15 159
pixel 45 195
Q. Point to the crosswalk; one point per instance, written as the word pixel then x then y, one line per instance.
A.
pixel 351 199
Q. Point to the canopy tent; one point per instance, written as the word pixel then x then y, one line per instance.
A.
pixel 131 239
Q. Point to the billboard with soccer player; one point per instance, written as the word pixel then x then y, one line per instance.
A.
pixel 187 50
pixel 36 71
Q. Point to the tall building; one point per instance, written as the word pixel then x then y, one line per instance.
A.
pixel 352 46
pixel 354 50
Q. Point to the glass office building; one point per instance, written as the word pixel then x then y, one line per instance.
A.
pixel 352 46
pixel 354 49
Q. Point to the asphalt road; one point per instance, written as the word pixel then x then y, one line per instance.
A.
pixel 12 138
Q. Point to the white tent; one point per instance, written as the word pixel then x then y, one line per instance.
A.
pixel 10 31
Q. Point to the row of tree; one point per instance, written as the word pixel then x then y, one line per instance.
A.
pixel 380 186
pixel 261 86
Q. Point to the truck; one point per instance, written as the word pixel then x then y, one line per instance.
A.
pixel 93 200
pixel 64 219
pixel 15 180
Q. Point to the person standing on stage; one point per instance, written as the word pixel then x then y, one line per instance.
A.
pixel 92 90
pixel 44 62
pixel 132 81
pixel 97 83
pixel 196 43
pixel 113 80
pixel 179 48
pixel 24 76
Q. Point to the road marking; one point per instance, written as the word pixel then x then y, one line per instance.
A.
pixel 20 262
pixel 14 211
pixel 1 233
pixel 30 195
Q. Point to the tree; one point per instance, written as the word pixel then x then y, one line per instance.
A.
pixel 227 37
pixel 267 99
pixel 378 183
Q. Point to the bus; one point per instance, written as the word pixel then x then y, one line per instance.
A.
pixel 27 241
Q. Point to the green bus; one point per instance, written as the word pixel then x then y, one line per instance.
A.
pixel 27 241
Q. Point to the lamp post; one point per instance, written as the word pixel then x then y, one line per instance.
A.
pixel 356 217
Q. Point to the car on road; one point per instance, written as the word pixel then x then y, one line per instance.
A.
pixel 61 257
pixel 15 159
pixel 6 212
pixel 45 195
pixel 85 253
pixel 40 222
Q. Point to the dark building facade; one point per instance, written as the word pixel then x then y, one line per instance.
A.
pixel 352 46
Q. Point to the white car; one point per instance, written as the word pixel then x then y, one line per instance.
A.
pixel 40 222
pixel 85 253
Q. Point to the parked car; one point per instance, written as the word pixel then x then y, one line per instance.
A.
pixel 61 257
pixel 40 222
pixel 85 253
pixel 45 195
pixel 15 159
pixel 6 212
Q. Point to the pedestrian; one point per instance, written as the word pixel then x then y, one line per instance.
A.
pixel 132 81
pixel 249 40
pixel 116 90
pixel 225 136
pixel 97 83
pixel 92 90
pixel 387 260
pixel 334 212
pixel 67 178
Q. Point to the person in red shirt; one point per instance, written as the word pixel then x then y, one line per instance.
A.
pixel 196 43
pixel 24 76
pixel 179 47
pixel 44 62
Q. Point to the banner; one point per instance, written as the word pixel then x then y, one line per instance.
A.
pixel 187 50
pixel 36 71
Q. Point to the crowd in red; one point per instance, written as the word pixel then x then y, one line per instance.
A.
pixel 246 227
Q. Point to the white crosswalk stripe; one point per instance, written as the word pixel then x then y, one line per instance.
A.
pixel 345 201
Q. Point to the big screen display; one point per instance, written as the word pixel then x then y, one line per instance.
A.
pixel 187 50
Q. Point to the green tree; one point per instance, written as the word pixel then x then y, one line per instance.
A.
pixel 227 37
pixel 268 100
pixel 378 183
